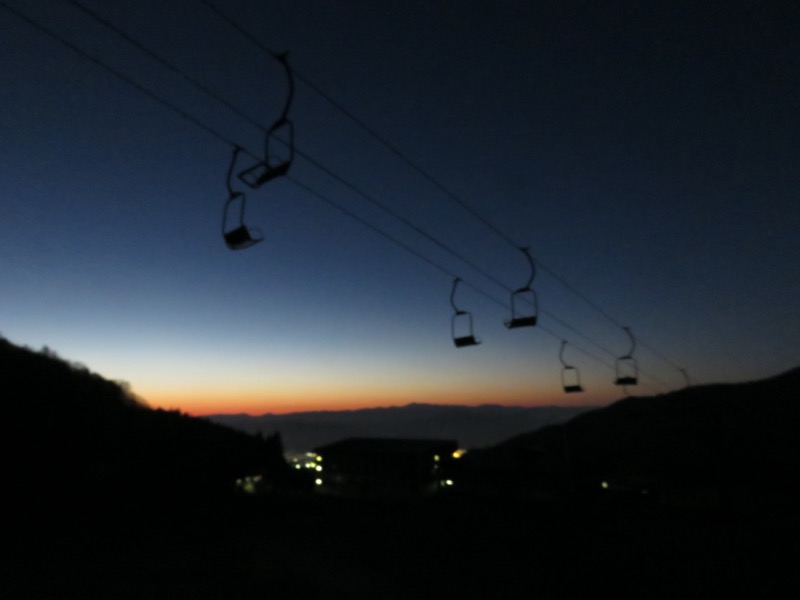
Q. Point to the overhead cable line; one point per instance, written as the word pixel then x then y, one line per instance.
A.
pixel 185 115
pixel 398 216
pixel 316 163
pixel 116 72
pixel 320 166
pixel 375 202
pixel 255 122
pixel 427 175
pixel 164 63
pixel 436 265
pixel 219 136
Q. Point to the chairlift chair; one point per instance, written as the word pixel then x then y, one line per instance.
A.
pixel 626 366
pixel 271 166
pixel 461 326
pixel 467 339
pixel 570 380
pixel 518 317
pixel 570 376
pixel 237 236
pixel 522 318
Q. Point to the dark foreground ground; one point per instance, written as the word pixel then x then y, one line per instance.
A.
pixel 256 547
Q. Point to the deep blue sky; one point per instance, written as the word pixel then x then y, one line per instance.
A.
pixel 646 153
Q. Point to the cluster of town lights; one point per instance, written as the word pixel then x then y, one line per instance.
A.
pixel 311 461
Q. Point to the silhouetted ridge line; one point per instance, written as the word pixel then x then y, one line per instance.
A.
pixel 472 426
pixel 82 434
pixel 720 445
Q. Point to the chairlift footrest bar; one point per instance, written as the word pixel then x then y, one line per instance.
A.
pixel 261 173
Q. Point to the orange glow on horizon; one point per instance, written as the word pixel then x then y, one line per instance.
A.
pixel 233 394
pixel 202 404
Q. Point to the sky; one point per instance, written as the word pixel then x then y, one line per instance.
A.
pixel 645 152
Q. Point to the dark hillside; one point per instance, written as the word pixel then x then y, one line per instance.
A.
pixel 78 433
pixel 720 443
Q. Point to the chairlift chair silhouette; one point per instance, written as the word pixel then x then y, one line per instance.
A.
pixel 626 366
pixel 522 318
pixel 570 376
pixel 461 325
pixel 271 166
pixel 237 236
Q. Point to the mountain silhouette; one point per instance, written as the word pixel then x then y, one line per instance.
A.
pixel 471 426
pixel 81 434
pixel 78 436
pixel 716 443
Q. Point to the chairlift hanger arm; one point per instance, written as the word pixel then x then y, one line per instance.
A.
pixel 524 320
pixel 268 168
pixel 239 236
pixel 236 150
pixel 283 58
pixel 456 281
pixel 626 367
pixel 570 376
pixel 464 339
pixel 232 194
pixel 633 342
pixel 561 354
pixel 526 251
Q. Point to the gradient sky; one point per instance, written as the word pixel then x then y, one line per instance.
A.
pixel 646 152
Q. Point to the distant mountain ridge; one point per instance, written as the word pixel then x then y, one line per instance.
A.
pixel 720 444
pixel 471 426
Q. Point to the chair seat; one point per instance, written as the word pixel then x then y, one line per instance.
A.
pixel 240 238
pixel 529 321
pixel 466 340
